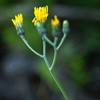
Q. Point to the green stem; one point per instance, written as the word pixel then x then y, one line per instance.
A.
pixel 25 41
pixel 61 42
pixel 48 40
pixel 53 76
pixel 55 53
pixel 44 53
pixel 59 85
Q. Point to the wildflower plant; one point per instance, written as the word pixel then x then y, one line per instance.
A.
pixel 40 18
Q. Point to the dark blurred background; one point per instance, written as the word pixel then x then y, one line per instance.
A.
pixel 24 76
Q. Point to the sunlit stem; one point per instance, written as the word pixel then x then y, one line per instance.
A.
pixel 51 73
pixel 25 41
pixel 55 53
pixel 48 40
pixel 61 42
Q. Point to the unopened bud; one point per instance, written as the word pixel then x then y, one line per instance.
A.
pixel 65 28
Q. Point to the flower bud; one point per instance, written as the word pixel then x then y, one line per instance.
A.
pixel 65 28
pixel 55 26
pixel 56 31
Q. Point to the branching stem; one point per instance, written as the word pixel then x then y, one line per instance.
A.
pixel 50 71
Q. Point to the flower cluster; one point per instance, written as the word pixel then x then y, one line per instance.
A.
pixel 41 15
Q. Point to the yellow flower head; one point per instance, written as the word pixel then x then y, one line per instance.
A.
pixel 18 21
pixel 55 21
pixel 41 14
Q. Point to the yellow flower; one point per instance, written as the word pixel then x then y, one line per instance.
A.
pixel 18 21
pixel 41 14
pixel 55 21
